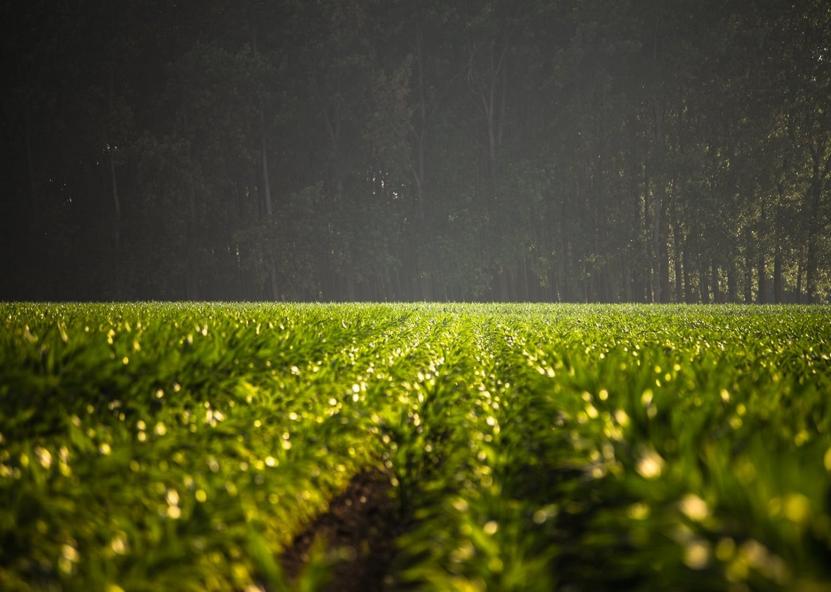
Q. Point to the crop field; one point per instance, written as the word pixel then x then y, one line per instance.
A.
pixel 414 447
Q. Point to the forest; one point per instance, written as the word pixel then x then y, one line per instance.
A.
pixel 394 150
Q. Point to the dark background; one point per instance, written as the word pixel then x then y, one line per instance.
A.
pixel 574 150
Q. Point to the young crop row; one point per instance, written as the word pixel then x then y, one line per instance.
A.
pixel 636 449
pixel 528 447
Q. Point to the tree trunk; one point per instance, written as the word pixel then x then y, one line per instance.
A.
pixel 649 250
pixel 778 280
pixel 190 273
pixel 689 298
pixel 799 273
pixel 269 212
pixel 813 233
pixel 266 176
pixel 716 283
pixel 762 296
pixel 676 244
pixel 748 266
pixel 778 287
pixel 661 230
pixel 116 200
pixel 333 129
pixel 703 282
pixel 732 288
pixel 422 115
pixel 111 149
pixel 661 249
pixel 819 177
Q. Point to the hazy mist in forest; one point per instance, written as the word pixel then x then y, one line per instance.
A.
pixel 542 150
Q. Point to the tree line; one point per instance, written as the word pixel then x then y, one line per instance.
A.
pixel 562 150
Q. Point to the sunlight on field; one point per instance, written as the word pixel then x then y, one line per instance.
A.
pixel 523 447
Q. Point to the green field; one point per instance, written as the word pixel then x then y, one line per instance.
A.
pixel 518 447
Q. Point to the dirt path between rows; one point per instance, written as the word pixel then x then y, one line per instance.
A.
pixel 360 526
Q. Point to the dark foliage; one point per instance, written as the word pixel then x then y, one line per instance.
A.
pixel 558 150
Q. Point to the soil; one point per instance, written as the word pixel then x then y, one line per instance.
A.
pixel 359 529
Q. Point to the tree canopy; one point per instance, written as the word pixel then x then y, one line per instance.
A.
pixel 552 150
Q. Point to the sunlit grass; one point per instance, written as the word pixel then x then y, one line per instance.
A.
pixel 529 447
